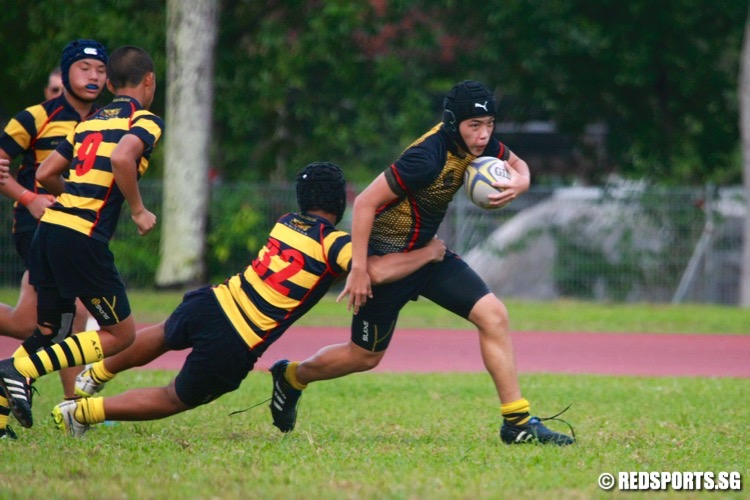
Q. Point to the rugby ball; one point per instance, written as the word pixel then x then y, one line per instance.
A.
pixel 478 179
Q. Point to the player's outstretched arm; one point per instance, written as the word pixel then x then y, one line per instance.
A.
pixel 395 266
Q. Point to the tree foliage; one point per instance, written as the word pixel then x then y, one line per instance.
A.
pixel 354 82
pixel 661 75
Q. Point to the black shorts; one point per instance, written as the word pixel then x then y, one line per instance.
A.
pixel 451 284
pixel 70 264
pixel 23 245
pixel 220 359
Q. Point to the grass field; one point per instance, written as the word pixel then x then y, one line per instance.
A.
pixel 403 436
pixel 386 436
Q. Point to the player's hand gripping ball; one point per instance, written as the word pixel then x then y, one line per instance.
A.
pixel 478 179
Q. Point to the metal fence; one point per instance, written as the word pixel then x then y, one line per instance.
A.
pixel 622 243
pixel 627 243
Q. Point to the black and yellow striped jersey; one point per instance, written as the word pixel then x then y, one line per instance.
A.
pixel 92 201
pixel 425 177
pixel 303 257
pixel 35 132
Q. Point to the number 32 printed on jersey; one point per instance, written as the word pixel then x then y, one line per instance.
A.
pixel 291 262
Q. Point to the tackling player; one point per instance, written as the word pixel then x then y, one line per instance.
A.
pixel 229 326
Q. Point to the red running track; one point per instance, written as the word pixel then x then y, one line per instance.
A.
pixel 536 352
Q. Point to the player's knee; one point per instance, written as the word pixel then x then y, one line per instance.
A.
pixel 24 325
pixel 171 403
pixel 56 320
pixel 489 314
pixel 364 359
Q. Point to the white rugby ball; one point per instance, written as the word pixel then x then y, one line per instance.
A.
pixel 478 179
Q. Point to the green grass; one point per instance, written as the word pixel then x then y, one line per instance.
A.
pixel 386 436
pixel 380 435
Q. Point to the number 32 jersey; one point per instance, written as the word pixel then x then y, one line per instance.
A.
pixel 92 201
pixel 303 257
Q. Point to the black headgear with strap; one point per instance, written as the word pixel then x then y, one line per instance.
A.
pixel 77 50
pixel 465 100
pixel 321 186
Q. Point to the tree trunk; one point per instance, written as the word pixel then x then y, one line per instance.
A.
pixel 191 37
pixel 744 95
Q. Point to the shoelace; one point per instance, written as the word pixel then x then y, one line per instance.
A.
pixel 554 417
pixel 250 408
pixel 32 390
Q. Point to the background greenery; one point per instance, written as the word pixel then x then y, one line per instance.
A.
pixel 355 82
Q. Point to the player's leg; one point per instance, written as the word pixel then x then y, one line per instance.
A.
pixel 80 349
pixel 218 363
pixel 457 288
pixel 65 265
pixel 372 330
pixel 490 317
pixel 149 403
pixel 290 379
pixel 336 361
pixel 148 345
pixel 31 360
pixel 68 375
pixel 19 321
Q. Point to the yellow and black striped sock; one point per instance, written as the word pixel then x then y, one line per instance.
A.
pixel 90 411
pixel 80 349
pixel 517 412
pixel 20 352
pixel 33 343
pixel 99 373
pixel 4 410
pixel 291 376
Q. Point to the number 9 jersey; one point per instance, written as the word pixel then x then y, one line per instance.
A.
pixel 305 254
pixel 92 201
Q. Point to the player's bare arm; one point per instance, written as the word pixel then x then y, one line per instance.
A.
pixel 125 158
pixel 8 185
pixel 519 182
pixel 35 203
pixel 4 170
pixel 395 266
pixel 358 284
pixel 50 173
